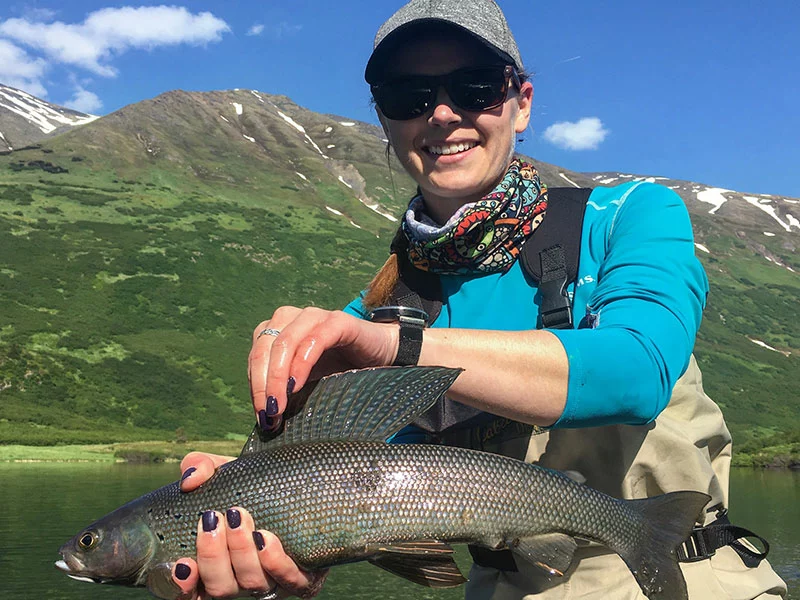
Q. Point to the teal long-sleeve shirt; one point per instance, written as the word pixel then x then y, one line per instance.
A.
pixel 637 302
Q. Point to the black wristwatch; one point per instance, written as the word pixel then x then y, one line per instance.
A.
pixel 412 322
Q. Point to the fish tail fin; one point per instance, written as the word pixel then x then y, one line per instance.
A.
pixel 667 521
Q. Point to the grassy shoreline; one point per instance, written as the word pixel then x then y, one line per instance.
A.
pixel 774 457
pixel 136 452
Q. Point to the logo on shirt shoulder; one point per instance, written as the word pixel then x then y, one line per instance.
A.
pixel 585 279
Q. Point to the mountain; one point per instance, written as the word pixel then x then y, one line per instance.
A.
pixel 25 119
pixel 140 249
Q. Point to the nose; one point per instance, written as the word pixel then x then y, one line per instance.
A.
pixel 444 112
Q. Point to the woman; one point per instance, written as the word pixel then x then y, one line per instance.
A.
pixel 452 96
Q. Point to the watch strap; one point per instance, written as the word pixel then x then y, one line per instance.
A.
pixel 410 345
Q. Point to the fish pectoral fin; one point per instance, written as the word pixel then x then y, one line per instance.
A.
pixel 551 552
pixel 160 583
pixel 419 548
pixel 430 570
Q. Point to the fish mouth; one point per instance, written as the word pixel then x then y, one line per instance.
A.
pixel 63 566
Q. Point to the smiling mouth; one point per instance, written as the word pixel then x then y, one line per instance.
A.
pixel 448 149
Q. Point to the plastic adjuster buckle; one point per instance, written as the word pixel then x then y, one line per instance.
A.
pixel 695 548
pixel 556 309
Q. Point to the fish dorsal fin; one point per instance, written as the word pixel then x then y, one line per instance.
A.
pixel 551 552
pixel 428 562
pixel 367 404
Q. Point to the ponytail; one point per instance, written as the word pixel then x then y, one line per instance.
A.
pixel 379 290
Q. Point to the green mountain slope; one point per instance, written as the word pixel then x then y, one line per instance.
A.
pixel 140 250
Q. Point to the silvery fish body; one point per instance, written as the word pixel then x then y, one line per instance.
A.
pixel 334 492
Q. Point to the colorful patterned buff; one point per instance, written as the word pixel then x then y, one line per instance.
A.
pixel 483 236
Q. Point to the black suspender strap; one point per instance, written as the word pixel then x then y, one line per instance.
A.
pixel 556 307
pixel 705 541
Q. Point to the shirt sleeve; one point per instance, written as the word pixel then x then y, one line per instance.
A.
pixel 641 319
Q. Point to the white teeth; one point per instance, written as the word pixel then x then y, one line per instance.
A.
pixel 452 148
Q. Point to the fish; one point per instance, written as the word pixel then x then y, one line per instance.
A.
pixel 334 491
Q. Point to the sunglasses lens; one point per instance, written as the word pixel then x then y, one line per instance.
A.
pixel 478 89
pixel 404 99
pixel 469 89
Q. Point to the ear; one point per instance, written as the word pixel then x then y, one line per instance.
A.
pixel 525 102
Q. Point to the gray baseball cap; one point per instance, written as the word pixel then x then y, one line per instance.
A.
pixel 482 19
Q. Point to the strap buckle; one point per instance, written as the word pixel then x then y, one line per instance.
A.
pixel 695 548
pixel 556 309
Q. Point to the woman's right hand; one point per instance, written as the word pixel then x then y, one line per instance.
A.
pixel 297 345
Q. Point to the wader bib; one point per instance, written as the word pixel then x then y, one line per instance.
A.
pixel 687 447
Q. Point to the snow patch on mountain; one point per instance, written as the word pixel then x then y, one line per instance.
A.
pixel 702 247
pixel 238 107
pixel 247 137
pixel 45 116
pixel 766 206
pixel 713 196
pixel 564 177
pixel 334 211
pixel 302 130
pixel 3 138
pixel 347 123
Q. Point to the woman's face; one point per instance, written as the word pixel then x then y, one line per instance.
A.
pixel 480 144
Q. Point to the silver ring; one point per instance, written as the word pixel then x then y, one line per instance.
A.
pixel 266 594
pixel 269 331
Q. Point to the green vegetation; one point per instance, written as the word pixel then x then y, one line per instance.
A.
pixel 131 452
pixel 138 253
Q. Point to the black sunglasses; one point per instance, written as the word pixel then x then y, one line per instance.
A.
pixel 472 89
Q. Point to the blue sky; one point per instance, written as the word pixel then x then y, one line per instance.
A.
pixel 702 90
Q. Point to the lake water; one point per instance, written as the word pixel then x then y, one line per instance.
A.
pixel 43 504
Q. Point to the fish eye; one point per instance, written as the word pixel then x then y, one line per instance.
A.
pixel 88 540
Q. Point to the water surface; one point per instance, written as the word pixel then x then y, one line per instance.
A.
pixel 43 504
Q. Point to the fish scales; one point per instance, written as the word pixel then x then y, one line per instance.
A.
pixel 331 501
pixel 334 491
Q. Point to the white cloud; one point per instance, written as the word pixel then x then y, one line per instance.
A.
pixel 256 29
pixel 283 30
pixel 109 32
pixel 84 101
pixel 19 70
pixel 586 134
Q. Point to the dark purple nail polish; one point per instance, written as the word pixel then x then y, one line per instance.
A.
pixel 188 473
pixel 274 423
pixel 234 518
pixel 290 385
pixel 182 571
pixel 258 538
pixel 263 420
pixel 272 406
pixel 210 520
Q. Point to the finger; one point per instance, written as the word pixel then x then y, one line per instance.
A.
pixel 186 576
pixel 249 573
pixel 259 357
pixel 213 560
pixel 283 353
pixel 283 569
pixel 198 467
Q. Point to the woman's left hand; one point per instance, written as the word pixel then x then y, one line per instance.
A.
pixel 312 343
pixel 234 560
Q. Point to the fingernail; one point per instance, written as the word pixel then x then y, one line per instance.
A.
pixel 272 406
pixel 290 385
pixel 274 423
pixel 188 473
pixel 234 518
pixel 258 538
pixel 263 420
pixel 210 520
pixel 182 571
